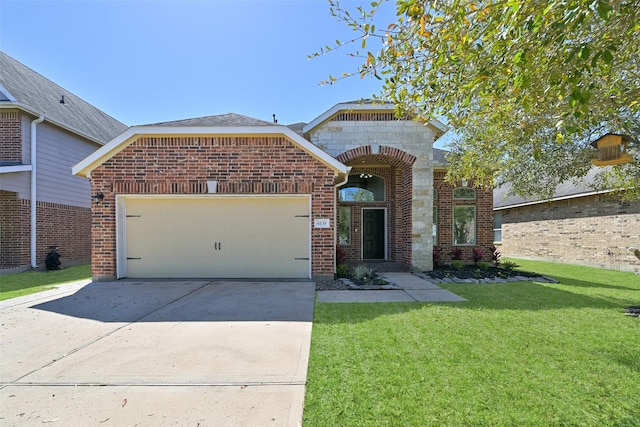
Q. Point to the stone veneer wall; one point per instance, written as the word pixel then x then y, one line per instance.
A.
pixel 350 130
pixel 595 230
pixel 183 165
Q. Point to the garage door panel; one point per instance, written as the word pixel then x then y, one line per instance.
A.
pixel 225 237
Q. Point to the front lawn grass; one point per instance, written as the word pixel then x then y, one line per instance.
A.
pixel 515 354
pixel 29 282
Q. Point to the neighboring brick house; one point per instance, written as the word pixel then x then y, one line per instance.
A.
pixel 578 225
pixel 234 197
pixel 39 117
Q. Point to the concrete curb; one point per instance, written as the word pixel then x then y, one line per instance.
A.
pixel 64 288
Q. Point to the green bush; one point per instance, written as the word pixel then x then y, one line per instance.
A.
pixel 458 264
pixel 509 265
pixel 483 265
pixel 342 270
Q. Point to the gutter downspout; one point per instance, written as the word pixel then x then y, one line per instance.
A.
pixel 34 163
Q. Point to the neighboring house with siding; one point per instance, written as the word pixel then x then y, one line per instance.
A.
pixel 230 196
pixel 44 131
pixel 577 225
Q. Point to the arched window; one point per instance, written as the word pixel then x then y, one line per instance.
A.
pixel 464 193
pixel 362 187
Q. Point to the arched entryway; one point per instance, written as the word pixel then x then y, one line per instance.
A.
pixel 374 206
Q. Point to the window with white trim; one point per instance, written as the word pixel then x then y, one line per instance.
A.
pixel 497 227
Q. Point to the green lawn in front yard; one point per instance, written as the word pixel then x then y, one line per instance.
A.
pixel 29 282
pixel 515 354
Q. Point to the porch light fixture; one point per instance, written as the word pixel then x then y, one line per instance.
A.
pixel 98 197
pixel 465 183
pixel 366 175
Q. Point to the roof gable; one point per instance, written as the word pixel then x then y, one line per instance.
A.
pixel 365 105
pixel 260 127
pixel 23 88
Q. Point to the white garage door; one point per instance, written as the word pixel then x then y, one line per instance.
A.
pixel 215 237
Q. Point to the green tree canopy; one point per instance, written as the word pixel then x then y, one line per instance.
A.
pixel 527 85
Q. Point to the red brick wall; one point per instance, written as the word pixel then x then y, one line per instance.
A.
pixel 10 136
pixel 14 230
pixel 61 225
pixel 484 220
pixel 68 227
pixel 182 165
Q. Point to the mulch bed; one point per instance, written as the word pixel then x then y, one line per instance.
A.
pixel 474 272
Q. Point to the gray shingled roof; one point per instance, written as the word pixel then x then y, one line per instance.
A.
pixel 568 189
pixel 222 120
pixel 440 156
pixel 39 95
pixel 297 127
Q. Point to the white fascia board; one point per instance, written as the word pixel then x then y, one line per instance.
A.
pixel 366 107
pixel 7 94
pixel 553 199
pixel 27 109
pixel 120 142
pixel 439 125
pixel 343 107
pixel 15 168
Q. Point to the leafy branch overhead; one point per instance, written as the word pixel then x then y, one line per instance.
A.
pixel 527 85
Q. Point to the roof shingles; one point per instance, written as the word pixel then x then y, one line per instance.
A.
pixel 40 95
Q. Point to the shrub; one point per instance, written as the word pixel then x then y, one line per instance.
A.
pixel 342 270
pixel 477 255
pixel 509 265
pixel 364 274
pixel 437 253
pixel 483 265
pixel 456 253
pixel 458 264
pixel 495 256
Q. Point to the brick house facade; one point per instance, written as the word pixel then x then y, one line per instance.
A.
pixel 577 226
pixel 444 204
pixel 369 138
pixel 173 164
pixel 252 159
pixel 68 227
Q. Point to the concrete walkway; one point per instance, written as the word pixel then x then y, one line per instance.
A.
pixel 414 289
pixel 196 353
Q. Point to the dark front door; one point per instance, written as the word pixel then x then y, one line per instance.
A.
pixel 373 235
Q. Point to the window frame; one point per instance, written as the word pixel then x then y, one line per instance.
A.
pixel 347 186
pixel 349 226
pixel 475 225
pixel 475 193
pixel 497 229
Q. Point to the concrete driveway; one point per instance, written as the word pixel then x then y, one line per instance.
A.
pixel 187 353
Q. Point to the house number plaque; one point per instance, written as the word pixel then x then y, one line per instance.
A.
pixel 321 223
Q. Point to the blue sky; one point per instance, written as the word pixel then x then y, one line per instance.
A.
pixel 151 61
